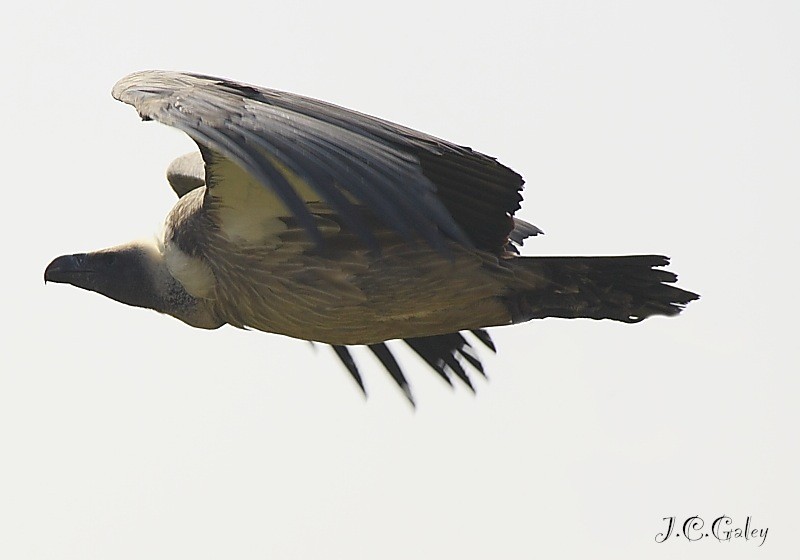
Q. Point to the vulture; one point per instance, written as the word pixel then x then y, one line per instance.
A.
pixel 306 219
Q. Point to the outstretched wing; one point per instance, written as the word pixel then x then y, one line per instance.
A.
pixel 301 150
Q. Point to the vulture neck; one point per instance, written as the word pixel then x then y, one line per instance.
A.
pixel 136 274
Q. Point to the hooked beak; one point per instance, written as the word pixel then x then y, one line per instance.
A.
pixel 67 269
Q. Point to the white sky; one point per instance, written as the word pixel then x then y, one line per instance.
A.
pixel 666 127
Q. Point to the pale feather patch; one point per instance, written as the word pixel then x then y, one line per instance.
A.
pixel 246 210
pixel 193 273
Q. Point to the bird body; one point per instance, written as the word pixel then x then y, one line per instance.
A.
pixel 309 220
pixel 345 294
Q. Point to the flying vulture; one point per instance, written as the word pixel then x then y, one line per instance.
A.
pixel 306 219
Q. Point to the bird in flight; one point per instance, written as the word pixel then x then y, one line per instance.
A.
pixel 306 219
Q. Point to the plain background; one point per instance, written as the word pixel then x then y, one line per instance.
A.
pixel 655 127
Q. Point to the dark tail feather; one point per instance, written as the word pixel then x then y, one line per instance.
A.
pixel 627 288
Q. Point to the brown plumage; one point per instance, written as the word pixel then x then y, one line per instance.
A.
pixel 320 223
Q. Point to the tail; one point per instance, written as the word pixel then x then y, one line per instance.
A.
pixel 627 289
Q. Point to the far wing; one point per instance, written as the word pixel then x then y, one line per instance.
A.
pixel 522 230
pixel 186 173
